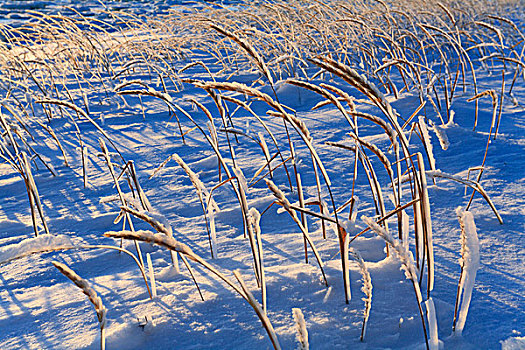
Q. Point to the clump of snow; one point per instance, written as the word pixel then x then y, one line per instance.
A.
pixel 513 343
pixel 42 243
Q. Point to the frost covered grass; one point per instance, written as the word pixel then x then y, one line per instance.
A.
pixel 333 105
pixel 92 296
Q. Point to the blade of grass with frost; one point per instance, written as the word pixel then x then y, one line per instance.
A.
pixel 300 328
pixel 360 82
pixel 346 269
pixel 254 219
pixel 405 228
pixel 470 263
pixel 375 186
pixel 382 157
pixel 223 112
pixel 418 234
pixel 142 195
pixel 213 231
pixel 172 244
pixel 370 90
pixel 109 163
pixel 366 288
pixel 29 192
pixel 151 276
pixel 266 152
pixel 92 296
pixel 432 324
pixel 441 134
pixel 245 212
pixel 240 177
pixel 250 50
pixel 303 217
pixel 344 95
pixel 33 189
pixel 197 63
pixel 160 224
pixel 407 265
pixel 51 132
pixel 287 206
pixel 494 97
pixel 260 313
pixel 470 183
pixel 42 243
pixel 197 183
pixel 426 141
pixel 427 223
pixel 190 270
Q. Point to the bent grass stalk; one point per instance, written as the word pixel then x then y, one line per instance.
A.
pixel 171 244
pixel 109 163
pixel 92 296
pixel 202 193
pixel 470 261
pixel 407 264
pixel 300 328
pixel 366 288
pixel 286 205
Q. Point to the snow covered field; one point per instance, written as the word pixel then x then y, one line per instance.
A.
pixel 176 113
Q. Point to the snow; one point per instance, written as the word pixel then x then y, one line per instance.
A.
pixel 513 343
pixel 39 309
pixel 42 243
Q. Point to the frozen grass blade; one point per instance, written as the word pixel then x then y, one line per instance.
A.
pixel 92 296
pixel 151 276
pixel 470 262
pixel 172 244
pixel 260 313
pixel 300 328
pixel 407 265
pixel 366 288
pixel 281 199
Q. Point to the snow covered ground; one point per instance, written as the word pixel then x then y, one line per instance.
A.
pixel 41 309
